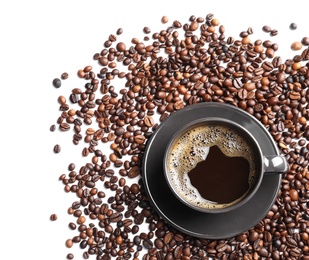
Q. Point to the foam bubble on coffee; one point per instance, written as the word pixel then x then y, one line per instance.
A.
pixel 193 147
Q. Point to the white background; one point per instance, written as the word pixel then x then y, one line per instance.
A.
pixel 42 39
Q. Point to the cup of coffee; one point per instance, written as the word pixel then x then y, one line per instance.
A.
pixel 215 165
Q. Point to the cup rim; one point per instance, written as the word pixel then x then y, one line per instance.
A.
pixel 207 120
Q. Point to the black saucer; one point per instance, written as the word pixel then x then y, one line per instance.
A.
pixel 190 221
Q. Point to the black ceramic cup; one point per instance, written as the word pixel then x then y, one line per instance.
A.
pixel 220 158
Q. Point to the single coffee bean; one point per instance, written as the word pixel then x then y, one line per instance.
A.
pixel 52 128
pixel 53 217
pixel 62 100
pixel 164 19
pixel 57 83
pixel 158 243
pixel 57 148
pixel 64 127
pixel 139 219
pixel 115 217
pixel 177 24
pixel 64 75
pixel 305 41
pixel 266 28
pixel 296 46
pixel 293 26
pixel 69 243
pixel 134 172
pixel 121 47
pixel 294 194
pixel 146 30
pixel 119 31
pixel 149 121
pixel 274 32
pixel 72 226
pixel 86 255
pixel 147 243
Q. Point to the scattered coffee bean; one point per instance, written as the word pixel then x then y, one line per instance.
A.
pixel 146 30
pixel 72 226
pixel 64 75
pixel 64 127
pixel 215 22
pixel 57 83
pixel 296 46
pixel 52 128
pixel 294 194
pixel 305 41
pixel 57 148
pixel 266 28
pixel 293 26
pixel 62 100
pixel 69 243
pixel 273 32
pixel 119 31
pixel 121 47
pixel 53 217
pixel 164 19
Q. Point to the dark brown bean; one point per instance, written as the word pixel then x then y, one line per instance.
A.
pixel 134 172
pixel 57 148
pixel 115 217
pixel 64 75
pixel 53 217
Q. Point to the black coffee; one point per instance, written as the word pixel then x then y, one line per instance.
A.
pixel 211 166
pixel 220 178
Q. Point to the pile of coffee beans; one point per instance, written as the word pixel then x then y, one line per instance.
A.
pixel 183 64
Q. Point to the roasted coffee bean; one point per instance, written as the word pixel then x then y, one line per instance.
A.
pixel 119 31
pixel 86 255
pixel 147 243
pixel 177 24
pixel 140 139
pixel 139 219
pixel 57 83
pixel 274 32
pixel 64 75
pixel 53 217
pixel 69 243
pixel 72 225
pixel 115 217
pixel 146 30
pixel 64 127
pixel 294 194
pixel 293 26
pixel 296 46
pixel 164 19
pixel 52 128
pixel 221 247
pixel 57 148
pixel 305 41
pixel 149 121
pixel 134 172
pixel 266 28
pixel 263 252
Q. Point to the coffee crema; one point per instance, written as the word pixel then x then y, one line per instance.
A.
pixel 197 180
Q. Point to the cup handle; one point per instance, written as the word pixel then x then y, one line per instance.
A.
pixel 275 164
